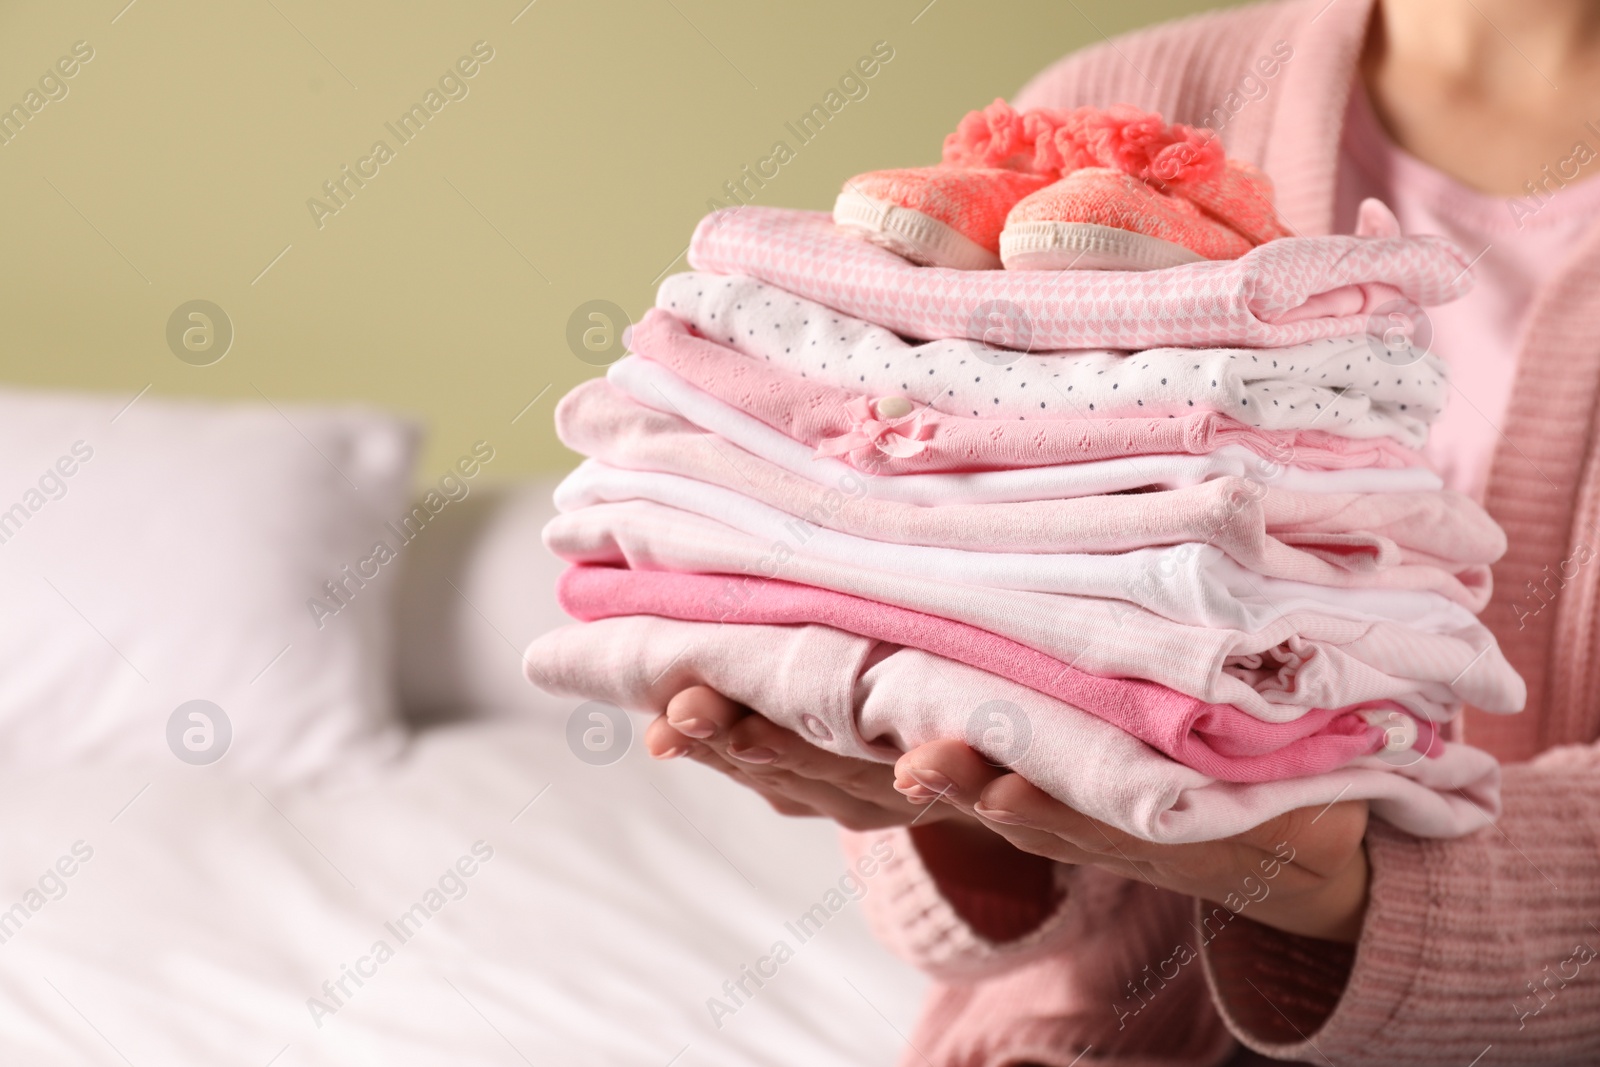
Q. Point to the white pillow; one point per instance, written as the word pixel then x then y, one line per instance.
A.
pixel 172 551
pixel 473 598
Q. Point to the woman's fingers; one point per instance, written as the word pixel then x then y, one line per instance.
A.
pixel 769 753
pixel 661 741
pixel 944 770
pixel 758 740
pixel 1015 801
pixel 834 787
pixel 1032 820
pixel 806 796
pixel 780 801
pixel 703 713
pixel 1321 840
pixel 857 793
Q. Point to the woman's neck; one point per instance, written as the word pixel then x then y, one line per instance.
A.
pixel 1488 91
pixel 1498 43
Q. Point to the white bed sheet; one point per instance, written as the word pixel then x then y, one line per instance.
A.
pixel 614 906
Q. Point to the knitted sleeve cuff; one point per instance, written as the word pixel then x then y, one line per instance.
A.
pixel 1278 992
pixel 951 932
pixel 1470 942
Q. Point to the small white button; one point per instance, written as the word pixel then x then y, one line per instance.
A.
pixel 816 727
pixel 1399 731
pixel 893 407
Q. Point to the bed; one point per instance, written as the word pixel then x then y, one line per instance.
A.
pixel 465 891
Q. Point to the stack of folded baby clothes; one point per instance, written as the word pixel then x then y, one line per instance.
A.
pixel 1155 534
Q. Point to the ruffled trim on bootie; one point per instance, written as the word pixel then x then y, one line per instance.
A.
pixel 1000 137
pixel 1048 141
pixel 1186 161
pixel 1138 143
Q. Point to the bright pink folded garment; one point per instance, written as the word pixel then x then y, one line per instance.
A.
pixel 1283 292
pixel 1217 740
pixel 1301 659
pixel 814 413
pixel 1438 541
pixel 870 701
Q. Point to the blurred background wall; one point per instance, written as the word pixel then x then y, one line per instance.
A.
pixel 184 158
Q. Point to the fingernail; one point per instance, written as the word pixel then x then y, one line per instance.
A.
pixel 753 755
pixel 700 728
pixel 672 753
pixel 1001 815
pixel 915 793
pixel 932 780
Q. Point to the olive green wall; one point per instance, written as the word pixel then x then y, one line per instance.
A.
pixel 179 163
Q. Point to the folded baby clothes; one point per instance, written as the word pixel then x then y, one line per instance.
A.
pixel 1218 740
pixel 656 387
pixel 1301 660
pixel 820 415
pixel 836 427
pixel 864 699
pixel 1282 293
pixel 1343 384
pixel 1439 541
pixel 1189 583
pixel 1170 529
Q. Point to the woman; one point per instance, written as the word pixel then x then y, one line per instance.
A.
pixel 1056 938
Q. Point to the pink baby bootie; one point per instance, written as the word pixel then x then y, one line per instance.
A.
pixel 951 215
pixel 1137 194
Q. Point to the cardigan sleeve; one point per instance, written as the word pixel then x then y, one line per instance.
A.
pixel 1040 973
pixel 1487 940
pixel 954 930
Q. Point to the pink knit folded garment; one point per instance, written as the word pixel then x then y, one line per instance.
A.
pixel 811 412
pixel 1438 541
pixel 868 700
pixel 1284 292
pixel 1217 740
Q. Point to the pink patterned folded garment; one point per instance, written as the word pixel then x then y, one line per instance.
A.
pixel 656 386
pixel 1284 292
pixel 1340 385
pixel 811 412
pixel 1217 740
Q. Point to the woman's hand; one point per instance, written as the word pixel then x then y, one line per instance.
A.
pixel 794 776
pixel 1304 872
pixel 797 778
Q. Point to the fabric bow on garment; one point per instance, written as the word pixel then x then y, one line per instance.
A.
pixel 877 426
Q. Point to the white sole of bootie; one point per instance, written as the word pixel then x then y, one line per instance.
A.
pixel 910 234
pixel 1087 246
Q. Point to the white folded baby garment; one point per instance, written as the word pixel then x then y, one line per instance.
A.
pixel 657 387
pixel 1338 384
pixel 868 700
pixel 1437 541
pixel 1300 660
pixel 1192 583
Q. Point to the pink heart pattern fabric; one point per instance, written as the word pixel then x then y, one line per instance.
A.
pixel 1285 292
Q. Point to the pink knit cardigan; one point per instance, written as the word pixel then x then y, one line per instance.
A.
pixel 1476 950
